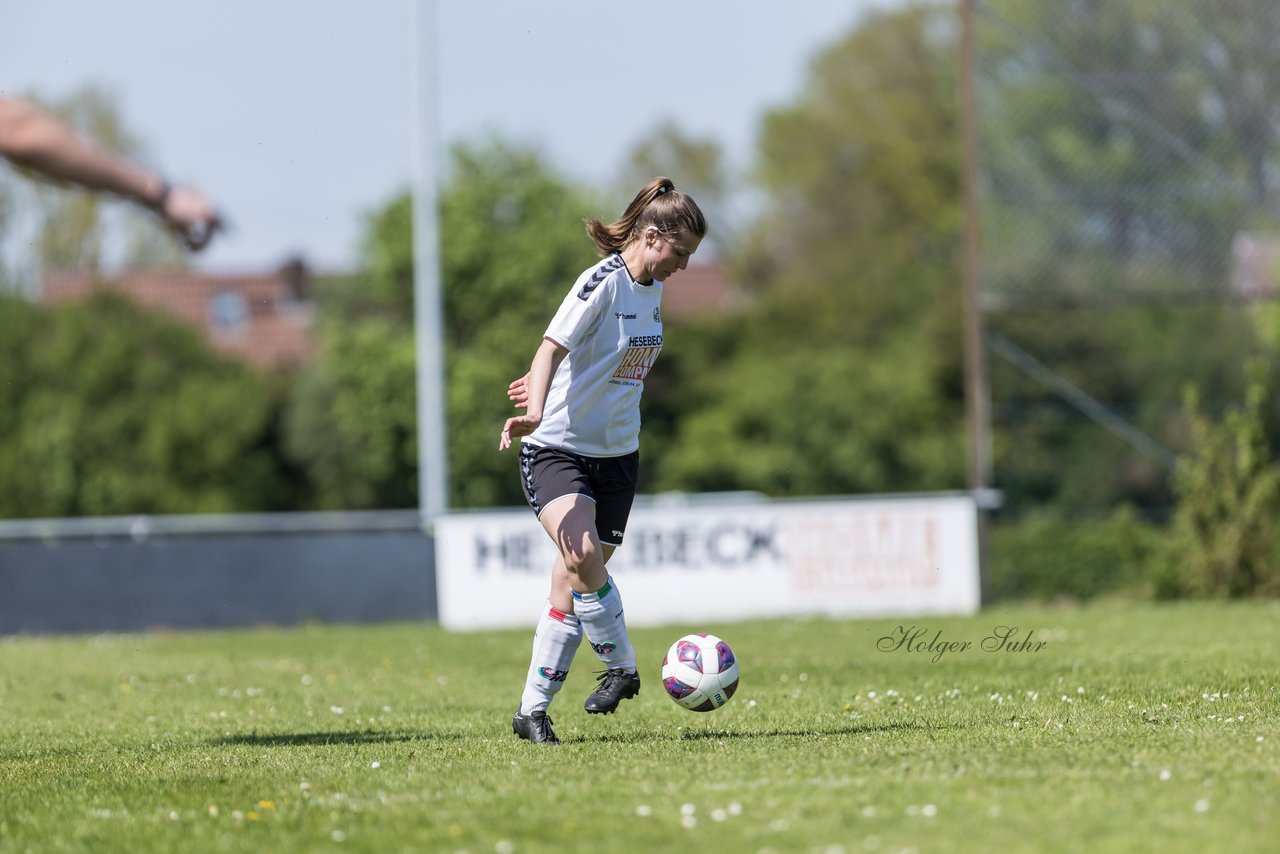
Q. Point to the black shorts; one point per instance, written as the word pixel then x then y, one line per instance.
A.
pixel 550 473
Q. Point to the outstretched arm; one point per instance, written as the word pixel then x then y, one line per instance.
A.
pixel 537 383
pixel 40 142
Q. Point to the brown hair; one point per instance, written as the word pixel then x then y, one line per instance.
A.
pixel 659 205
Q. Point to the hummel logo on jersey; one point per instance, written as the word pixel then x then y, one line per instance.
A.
pixel 618 534
pixel 657 318
pixel 599 276
pixel 624 316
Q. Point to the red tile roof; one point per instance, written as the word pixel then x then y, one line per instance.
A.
pixel 700 289
pixel 262 319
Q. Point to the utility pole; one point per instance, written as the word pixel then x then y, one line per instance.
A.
pixel 428 326
pixel 977 393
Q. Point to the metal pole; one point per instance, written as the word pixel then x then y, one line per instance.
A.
pixel 433 470
pixel 977 395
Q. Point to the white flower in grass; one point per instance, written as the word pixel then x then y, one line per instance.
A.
pixel 505 846
pixel 868 811
pixel 644 810
pixel 338 836
pixel 337 710
pixel 1202 805
pixel 1165 775
pixel 735 808
pixel 688 821
pixel 375 764
pixel 929 810
pixel 688 809
pixel 719 815
pixel 994 811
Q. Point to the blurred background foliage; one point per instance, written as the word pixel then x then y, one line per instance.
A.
pixel 1124 148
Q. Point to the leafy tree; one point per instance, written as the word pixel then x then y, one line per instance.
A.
pixel 351 423
pixel 1104 170
pixel 512 244
pixel 106 408
pixel 844 374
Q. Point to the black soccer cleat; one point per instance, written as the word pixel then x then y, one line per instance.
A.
pixel 615 686
pixel 534 727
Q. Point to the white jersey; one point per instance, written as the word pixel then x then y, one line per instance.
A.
pixel 612 327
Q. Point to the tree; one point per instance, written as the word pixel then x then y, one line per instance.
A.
pixel 106 409
pixel 512 244
pixel 844 374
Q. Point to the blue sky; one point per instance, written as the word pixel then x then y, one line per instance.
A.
pixel 297 115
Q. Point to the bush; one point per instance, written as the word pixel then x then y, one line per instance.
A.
pixel 1044 556
pixel 1224 539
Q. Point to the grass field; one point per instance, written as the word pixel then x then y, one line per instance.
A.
pixel 1134 728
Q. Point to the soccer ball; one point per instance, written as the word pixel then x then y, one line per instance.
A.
pixel 700 672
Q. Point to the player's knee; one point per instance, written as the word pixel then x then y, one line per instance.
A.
pixel 584 562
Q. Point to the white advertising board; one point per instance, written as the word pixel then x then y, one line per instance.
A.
pixel 884 556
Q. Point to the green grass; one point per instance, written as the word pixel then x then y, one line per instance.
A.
pixel 1137 728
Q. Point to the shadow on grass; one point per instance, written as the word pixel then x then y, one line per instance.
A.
pixel 718 734
pixel 307 739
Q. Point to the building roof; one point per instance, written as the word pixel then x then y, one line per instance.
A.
pixel 262 319
pixel 266 319
pixel 700 289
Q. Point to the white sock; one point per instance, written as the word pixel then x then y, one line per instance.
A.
pixel 606 628
pixel 554 643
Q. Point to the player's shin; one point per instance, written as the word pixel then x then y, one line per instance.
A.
pixel 554 643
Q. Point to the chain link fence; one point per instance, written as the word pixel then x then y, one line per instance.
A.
pixel 1129 175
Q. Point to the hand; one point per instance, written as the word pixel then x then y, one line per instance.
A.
pixel 193 216
pixel 518 392
pixel 520 425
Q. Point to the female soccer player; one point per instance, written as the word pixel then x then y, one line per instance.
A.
pixel 579 454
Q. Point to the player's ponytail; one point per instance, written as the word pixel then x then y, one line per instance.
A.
pixel 658 205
